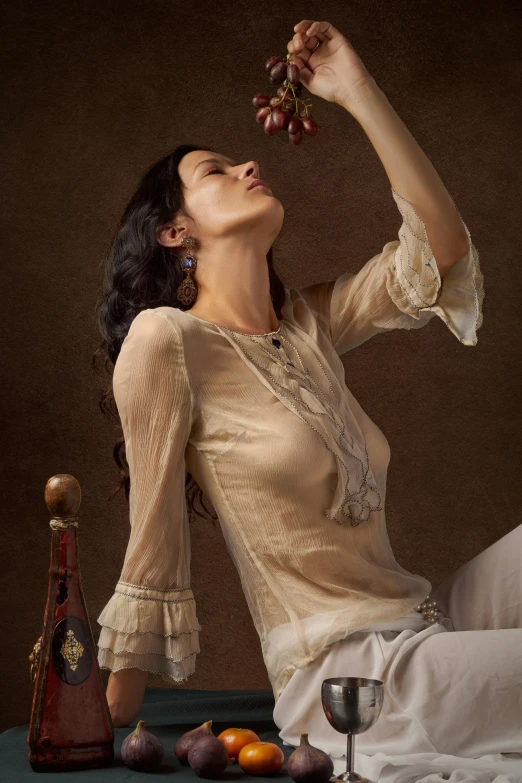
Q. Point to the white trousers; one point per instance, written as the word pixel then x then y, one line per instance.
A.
pixel 454 687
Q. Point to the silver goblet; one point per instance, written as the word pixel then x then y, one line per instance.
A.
pixel 352 705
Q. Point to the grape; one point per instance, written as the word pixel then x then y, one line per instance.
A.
pixel 280 118
pixel 285 110
pixel 310 126
pixel 278 73
pixel 294 125
pixel 260 100
pixel 270 128
pixel 271 62
pixel 262 114
pixel 293 74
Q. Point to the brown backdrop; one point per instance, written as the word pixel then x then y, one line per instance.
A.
pixel 96 92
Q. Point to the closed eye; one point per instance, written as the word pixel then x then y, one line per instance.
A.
pixel 213 170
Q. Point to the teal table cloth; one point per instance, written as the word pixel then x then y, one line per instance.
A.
pixel 169 713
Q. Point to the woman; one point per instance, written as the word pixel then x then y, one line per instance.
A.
pixel 242 386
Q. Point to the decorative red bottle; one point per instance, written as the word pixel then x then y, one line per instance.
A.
pixel 71 726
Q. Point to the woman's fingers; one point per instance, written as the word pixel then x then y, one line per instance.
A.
pixel 301 40
pixel 300 62
pixel 303 45
pixel 321 30
pixel 308 34
pixel 309 27
pixel 300 27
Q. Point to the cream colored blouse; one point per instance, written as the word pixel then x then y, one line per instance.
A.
pixel 294 467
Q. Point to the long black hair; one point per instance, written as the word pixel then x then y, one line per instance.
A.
pixel 139 274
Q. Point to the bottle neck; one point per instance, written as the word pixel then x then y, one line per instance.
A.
pixel 67 548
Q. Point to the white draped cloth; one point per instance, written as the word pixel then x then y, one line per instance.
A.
pixel 452 705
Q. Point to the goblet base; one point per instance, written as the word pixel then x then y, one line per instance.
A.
pixel 352 777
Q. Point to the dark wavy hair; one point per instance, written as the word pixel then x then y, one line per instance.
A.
pixel 139 273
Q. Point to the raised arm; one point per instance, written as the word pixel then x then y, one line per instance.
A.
pixel 412 175
pixel 433 269
pixel 400 288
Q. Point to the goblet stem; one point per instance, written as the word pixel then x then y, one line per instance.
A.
pixel 349 755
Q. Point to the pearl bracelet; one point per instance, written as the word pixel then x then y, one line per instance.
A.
pixel 429 610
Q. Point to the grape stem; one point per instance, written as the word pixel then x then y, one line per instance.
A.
pixel 296 99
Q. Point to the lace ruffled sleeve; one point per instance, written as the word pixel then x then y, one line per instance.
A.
pixel 401 288
pixel 150 622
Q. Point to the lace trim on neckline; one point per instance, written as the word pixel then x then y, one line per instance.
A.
pixel 235 331
pixel 247 334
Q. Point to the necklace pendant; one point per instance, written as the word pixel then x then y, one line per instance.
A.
pixel 276 342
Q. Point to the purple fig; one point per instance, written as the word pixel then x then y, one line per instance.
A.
pixel 185 742
pixel 208 757
pixel 308 764
pixel 141 750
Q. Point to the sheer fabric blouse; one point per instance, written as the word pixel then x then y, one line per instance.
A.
pixel 295 469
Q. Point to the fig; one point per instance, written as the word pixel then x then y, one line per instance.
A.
pixel 208 757
pixel 141 750
pixel 185 742
pixel 308 764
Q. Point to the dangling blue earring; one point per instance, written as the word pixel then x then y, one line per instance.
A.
pixel 188 290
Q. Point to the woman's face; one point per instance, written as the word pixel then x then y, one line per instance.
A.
pixel 219 201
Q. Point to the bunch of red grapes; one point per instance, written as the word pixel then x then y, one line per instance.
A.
pixel 284 112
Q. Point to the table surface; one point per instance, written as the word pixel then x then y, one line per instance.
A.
pixel 169 713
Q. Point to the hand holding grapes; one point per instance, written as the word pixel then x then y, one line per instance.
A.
pixel 329 66
pixel 322 60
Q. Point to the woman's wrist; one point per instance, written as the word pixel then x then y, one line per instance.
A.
pixel 360 99
pixel 124 694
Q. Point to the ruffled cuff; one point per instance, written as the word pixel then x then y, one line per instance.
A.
pixel 417 287
pixel 154 630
